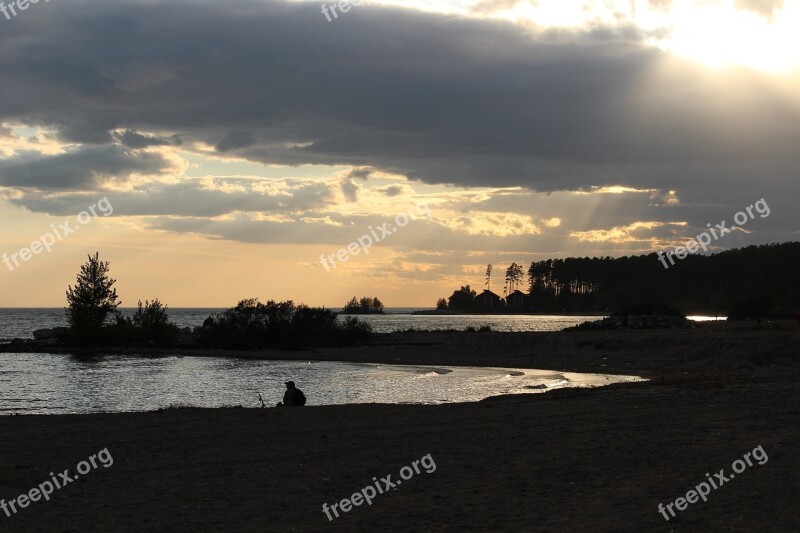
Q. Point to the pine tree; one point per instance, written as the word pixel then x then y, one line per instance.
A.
pixel 93 298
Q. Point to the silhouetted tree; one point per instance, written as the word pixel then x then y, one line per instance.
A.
pixel 732 282
pixel 462 298
pixel 92 300
pixel 364 306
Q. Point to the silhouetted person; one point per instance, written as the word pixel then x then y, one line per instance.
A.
pixel 293 397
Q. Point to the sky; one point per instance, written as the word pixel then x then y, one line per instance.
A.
pixel 226 147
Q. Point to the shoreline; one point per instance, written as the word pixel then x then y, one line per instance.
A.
pixel 644 352
pixel 570 459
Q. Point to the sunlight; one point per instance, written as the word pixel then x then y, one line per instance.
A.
pixel 718 35
pixel 715 33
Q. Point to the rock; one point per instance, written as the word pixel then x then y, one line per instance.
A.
pixel 633 322
pixel 42 334
pixel 17 344
pixel 60 332
pixel 187 330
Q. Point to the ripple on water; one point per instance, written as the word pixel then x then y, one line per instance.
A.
pixel 51 383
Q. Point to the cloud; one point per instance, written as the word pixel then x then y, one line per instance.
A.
pixel 362 173
pixel 350 189
pixel 660 5
pixel 87 167
pixel 764 8
pixel 436 98
pixel 394 190
pixel 133 139
pixel 492 6
pixel 234 140
pixel 201 197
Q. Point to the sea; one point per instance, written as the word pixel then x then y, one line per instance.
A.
pixel 41 384
pixel 22 322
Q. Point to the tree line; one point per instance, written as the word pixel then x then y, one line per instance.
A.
pixel 746 282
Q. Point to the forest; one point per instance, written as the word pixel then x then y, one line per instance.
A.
pixel 741 283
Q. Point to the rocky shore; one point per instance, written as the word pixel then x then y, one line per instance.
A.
pixel 618 322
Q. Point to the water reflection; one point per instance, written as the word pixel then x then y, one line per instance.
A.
pixel 49 383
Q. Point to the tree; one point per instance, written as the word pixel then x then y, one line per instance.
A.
pixel 441 304
pixel 363 306
pixel 514 276
pixel 488 277
pixel 519 275
pixel 352 306
pixel 462 298
pixel 93 298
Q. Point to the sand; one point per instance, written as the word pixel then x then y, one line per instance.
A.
pixel 569 460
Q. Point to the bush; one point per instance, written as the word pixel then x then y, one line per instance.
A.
pixel 252 325
pixel 353 330
pixel 151 323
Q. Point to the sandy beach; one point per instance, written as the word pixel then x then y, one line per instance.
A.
pixel 569 460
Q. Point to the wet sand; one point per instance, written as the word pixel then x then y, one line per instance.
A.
pixel 568 460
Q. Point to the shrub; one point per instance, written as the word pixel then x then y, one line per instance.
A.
pixel 253 325
pixel 353 330
pixel 151 323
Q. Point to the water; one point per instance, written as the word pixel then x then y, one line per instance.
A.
pixel 58 384
pixel 23 322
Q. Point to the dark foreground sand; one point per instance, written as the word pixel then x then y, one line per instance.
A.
pixel 568 460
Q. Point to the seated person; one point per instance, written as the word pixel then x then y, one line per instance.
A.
pixel 293 397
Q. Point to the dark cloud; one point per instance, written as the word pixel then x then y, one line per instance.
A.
pixel 234 140
pixel 437 98
pixel 82 168
pixel 194 198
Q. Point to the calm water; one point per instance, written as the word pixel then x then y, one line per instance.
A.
pixel 23 322
pixel 57 384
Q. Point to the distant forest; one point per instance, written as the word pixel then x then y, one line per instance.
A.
pixel 746 282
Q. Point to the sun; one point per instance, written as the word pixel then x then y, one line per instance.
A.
pixel 720 35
